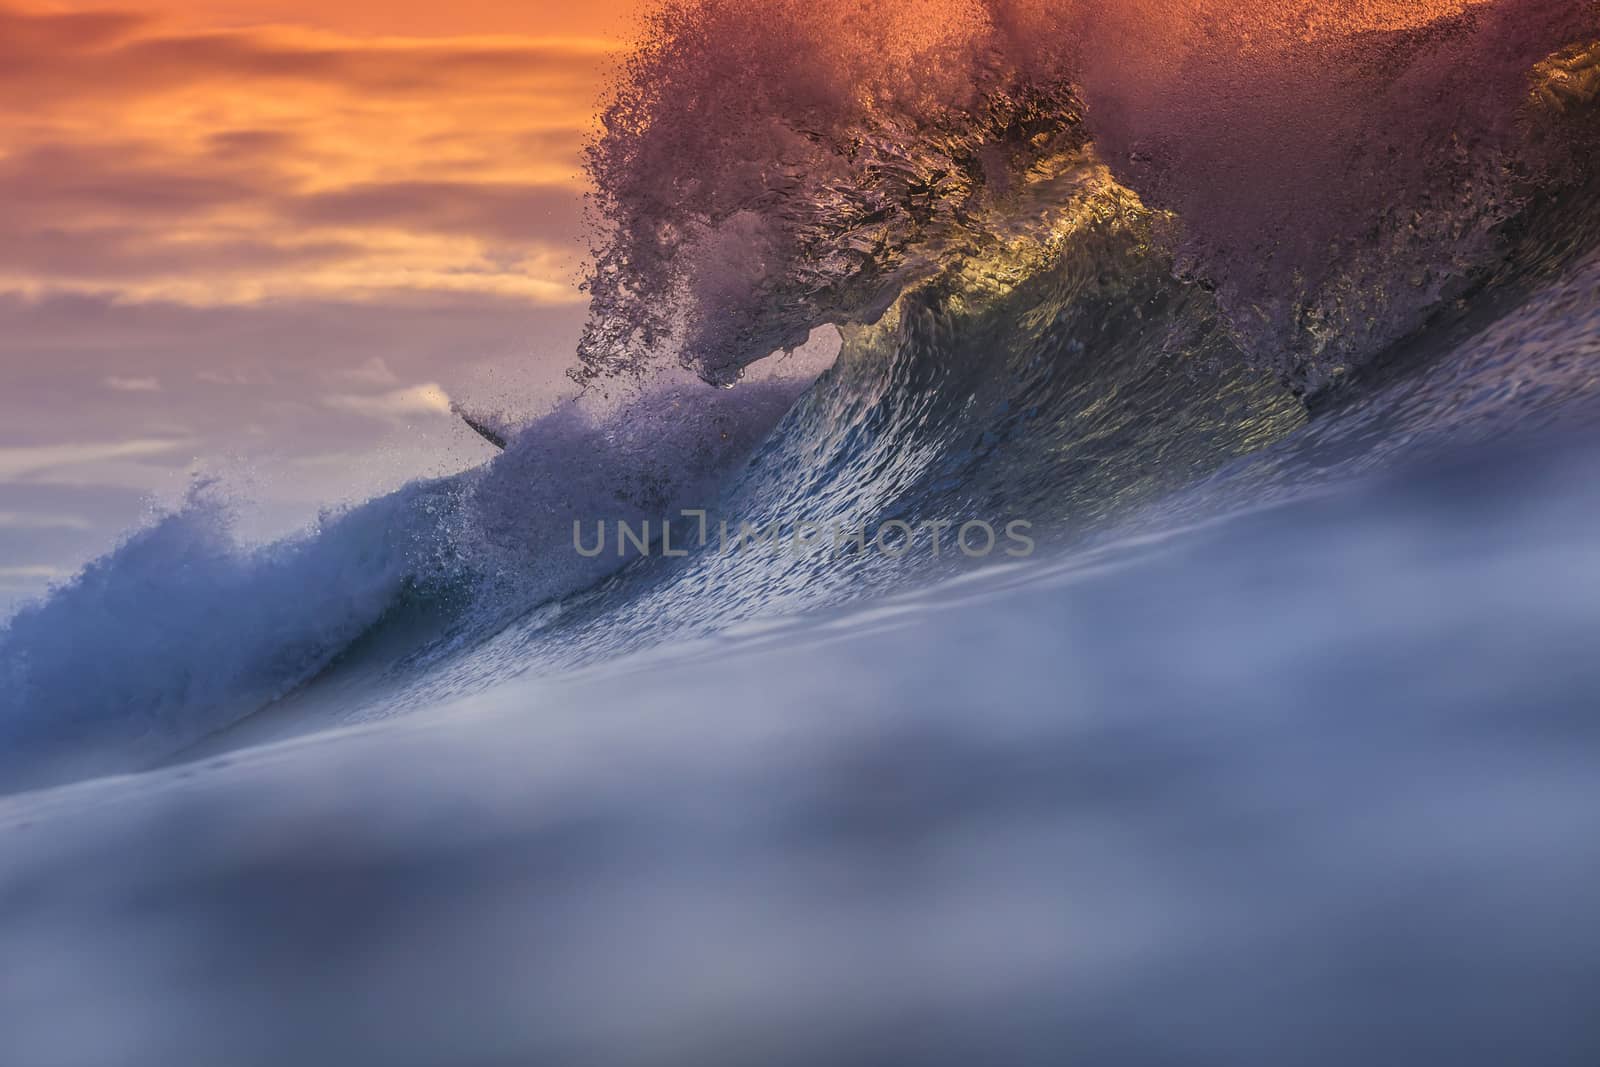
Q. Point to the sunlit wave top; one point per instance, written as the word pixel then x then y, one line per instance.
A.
pixel 1334 170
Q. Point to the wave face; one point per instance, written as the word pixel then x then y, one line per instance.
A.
pixel 1099 267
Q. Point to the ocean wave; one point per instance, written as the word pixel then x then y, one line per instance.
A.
pixel 1278 324
pixel 1081 257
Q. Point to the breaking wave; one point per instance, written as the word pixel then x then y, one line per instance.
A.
pixel 1082 258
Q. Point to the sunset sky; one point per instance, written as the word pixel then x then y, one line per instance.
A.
pixel 273 236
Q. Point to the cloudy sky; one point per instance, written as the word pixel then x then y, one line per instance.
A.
pixel 269 239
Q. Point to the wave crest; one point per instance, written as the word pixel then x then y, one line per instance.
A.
pixel 1336 172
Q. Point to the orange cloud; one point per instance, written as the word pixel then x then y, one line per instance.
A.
pixel 150 159
pixel 416 18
